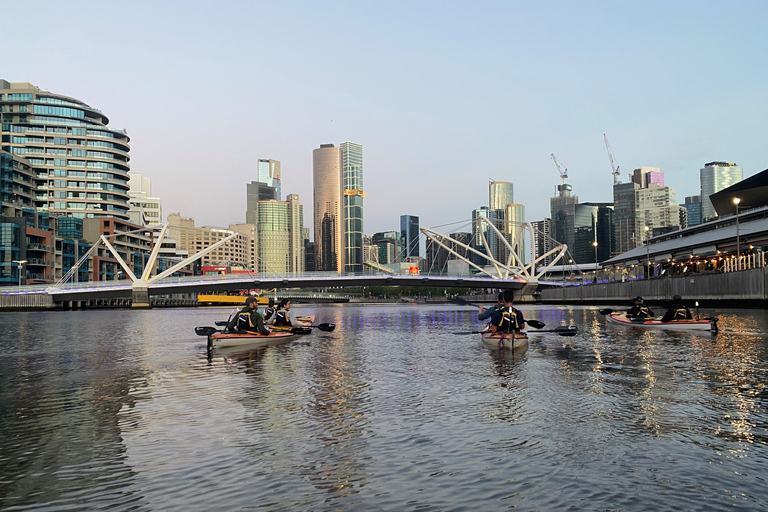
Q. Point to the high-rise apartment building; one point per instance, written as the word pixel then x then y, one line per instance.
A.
pixel 500 195
pixel 655 207
pixel 280 231
pixel 714 177
pixel 327 206
pixel 624 215
pixel 543 240
pixel 145 210
pixel 514 217
pixel 558 207
pixel 484 239
pixel 81 164
pixel 352 205
pixel 409 235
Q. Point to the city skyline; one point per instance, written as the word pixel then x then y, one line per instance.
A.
pixel 502 100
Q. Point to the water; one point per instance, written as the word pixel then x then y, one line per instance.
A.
pixel 123 410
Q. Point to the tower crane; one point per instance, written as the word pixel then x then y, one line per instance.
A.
pixel 614 167
pixel 563 171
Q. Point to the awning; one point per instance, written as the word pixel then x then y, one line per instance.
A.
pixel 706 250
pixel 662 257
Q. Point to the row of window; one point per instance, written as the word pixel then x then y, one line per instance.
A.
pixel 59 111
pixel 60 194
pixel 16 97
pixel 70 205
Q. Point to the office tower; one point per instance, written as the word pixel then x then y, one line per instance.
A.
pixel 559 204
pixel 624 215
pixel 543 240
pixel 326 187
pixel 462 238
pixel 257 191
pixel 581 225
pixel 352 205
pixel 409 234
pixel 388 247
pixel 501 194
pixel 269 174
pixel 280 228
pixel 144 210
pixel 655 207
pixel 644 176
pixel 436 258
pixel 514 217
pixel 714 177
pixel 483 237
pixel 693 206
pixel 81 161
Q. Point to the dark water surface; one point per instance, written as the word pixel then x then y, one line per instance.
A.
pixel 123 410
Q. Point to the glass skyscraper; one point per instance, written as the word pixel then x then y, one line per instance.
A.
pixel 352 205
pixel 327 193
pixel 269 174
pixel 714 177
pixel 409 235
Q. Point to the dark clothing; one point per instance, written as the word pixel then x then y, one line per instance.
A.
pixel 489 312
pixel 640 311
pixel 282 318
pixel 247 319
pixel 677 312
pixel 268 312
pixel 508 319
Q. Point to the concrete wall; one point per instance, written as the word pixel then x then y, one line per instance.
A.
pixel 746 286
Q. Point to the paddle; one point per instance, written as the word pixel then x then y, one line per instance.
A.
pixel 563 330
pixel 305 329
pixel 606 311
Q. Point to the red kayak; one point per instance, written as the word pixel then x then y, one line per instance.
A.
pixel 654 323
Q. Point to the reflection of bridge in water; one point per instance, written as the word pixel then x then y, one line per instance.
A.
pixel 512 273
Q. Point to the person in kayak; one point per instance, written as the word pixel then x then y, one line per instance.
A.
pixel 639 310
pixel 485 314
pixel 678 311
pixel 507 319
pixel 283 316
pixel 269 311
pixel 248 319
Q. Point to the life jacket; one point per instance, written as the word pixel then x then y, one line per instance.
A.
pixel 509 321
pixel 644 312
pixel 680 313
pixel 281 318
pixel 244 322
pixel 268 313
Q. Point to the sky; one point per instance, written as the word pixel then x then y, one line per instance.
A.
pixel 444 96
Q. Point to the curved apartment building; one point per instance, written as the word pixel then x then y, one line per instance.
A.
pixel 81 164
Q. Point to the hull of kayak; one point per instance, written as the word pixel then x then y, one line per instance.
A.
pixel 508 342
pixel 676 325
pixel 236 339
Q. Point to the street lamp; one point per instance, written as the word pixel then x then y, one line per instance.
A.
pixel 21 264
pixel 595 244
pixel 647 254
pixel 736 201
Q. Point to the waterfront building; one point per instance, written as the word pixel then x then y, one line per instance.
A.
pixel 579 226
pixel 80 162
pixel 714 177
pixel 237 253
pixel 327 211
pixel 144 210
pixel 26 246
pixel 692 206
pixel 352 205
pixel 131 242
pixel 18 187
pixel 409 235
pixel 543 241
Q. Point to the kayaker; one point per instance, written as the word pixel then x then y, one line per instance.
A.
pixel 283 316
pixel 484 315
pixel 248 319
pixel 639 310
pixel 678 311
pixel 269 310
pixel 507 319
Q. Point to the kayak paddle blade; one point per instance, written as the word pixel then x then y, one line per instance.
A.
pixel 536 324
pixel 205 331
pixel 326 327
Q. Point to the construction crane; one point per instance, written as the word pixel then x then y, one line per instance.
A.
pixel 563 171
pixel 614 167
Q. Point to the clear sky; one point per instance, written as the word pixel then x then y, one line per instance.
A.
pixel 443 96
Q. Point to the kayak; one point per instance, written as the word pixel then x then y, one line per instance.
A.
pixel 676 325
pixel 234 339
pixel 509 341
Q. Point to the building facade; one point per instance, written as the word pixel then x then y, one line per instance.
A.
pixel 587 230
pixel 269 173
pixel 144 210
pixel 714 177
pixel 409 235
pixel 237 253
pixel 352 205
pixel 624 215
pixel 81 163
pixel 693 210
pixel 543 241
pixel 655 207
pixel 327 208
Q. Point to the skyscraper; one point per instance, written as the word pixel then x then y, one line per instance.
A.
pixel 82 163
pixel 693 206
pixel 256 191
pixel 279 228
pixel 409 234
pixel 514 217
pixel 352 205
pixel 714 177
pixel 326 187
pixel 269 174
pixel 500 196
pixel 484 238
pixel 624 215
pixel 559 211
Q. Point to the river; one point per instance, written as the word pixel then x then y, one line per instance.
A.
pixel 125 410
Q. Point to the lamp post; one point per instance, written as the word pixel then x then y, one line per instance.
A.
pixel 736 201
pixel 21 264
pixel 647 254
pixel 595 244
